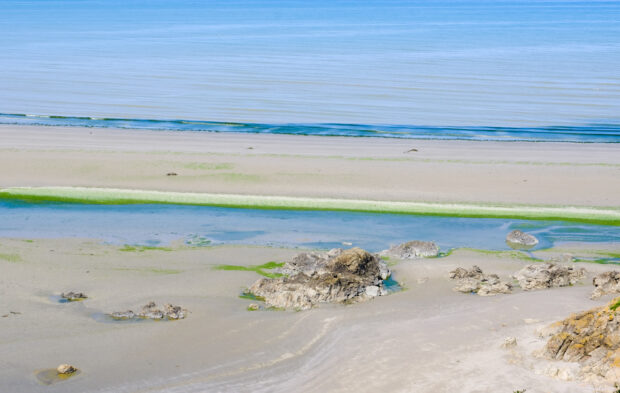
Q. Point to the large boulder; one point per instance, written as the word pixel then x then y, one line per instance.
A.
pixel 336 276
pixel 475 281
pixel 606 283
pixel 413 249
pixel 520 240
pixel 548 275
pixel 591 338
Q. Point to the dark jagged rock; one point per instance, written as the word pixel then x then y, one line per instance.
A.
pixel 606 283
pixel 475 281
pixel 413 249
pixel 548 275
pixel 520 240
pixel 336 276
pixel 591 338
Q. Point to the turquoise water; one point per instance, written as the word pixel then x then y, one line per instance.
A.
pixel 583 134
pixel 437 67
pixel 155 225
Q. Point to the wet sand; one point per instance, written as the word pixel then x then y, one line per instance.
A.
pixel 426 338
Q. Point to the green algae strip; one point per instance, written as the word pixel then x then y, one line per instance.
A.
pixel 128 248
pixel 593 215
pixel 260 269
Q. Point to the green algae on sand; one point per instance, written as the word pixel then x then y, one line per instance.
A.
pixel 260 269
pixel 593 215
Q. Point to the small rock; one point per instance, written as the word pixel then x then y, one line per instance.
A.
pixel 548 275
pixel 509 342
pixel 171 174
pixel 520 240
pixel 475 281
pixel 73 296
pixel 253 307
pixel 66 369
pixel 606 283
pixel 422 280
pixel 123 314
pixel 150 311
pixel 413 249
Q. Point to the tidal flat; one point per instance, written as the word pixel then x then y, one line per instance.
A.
pixel 426 329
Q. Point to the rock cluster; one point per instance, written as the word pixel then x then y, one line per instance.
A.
pixel 591 338
pixel 150 311
pixel 73 296
pixel 475 281
pixel 606 283
pixel 520 240
pixel 337 276
pixel 413 249
pixel 548 275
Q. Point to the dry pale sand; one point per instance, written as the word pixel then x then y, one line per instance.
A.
pixel 355 168
pixel 424 339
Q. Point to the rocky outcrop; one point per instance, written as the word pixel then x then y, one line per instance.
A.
pixel 548 275
pixel 73 296
pixel 475 281
pixel 520 240
pixel 337 276
pixel 591 338
pixel 411 250
pixel 606 283
pixel 150 311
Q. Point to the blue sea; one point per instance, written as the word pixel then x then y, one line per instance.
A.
pixel 471 69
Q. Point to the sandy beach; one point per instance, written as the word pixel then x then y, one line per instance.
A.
pixel 307 166
pixel 426 338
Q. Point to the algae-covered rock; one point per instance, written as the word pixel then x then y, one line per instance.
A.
pixel 73 296
pixel 475 281
pixel 591 338
pixel 606 283
pixel 548 275
pixel 520 240
pixel 413 249
pixel 336 277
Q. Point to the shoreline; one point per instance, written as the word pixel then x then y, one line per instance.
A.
pixel 103 196
pixel 598 133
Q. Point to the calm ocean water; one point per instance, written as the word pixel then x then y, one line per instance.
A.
pixel 534 70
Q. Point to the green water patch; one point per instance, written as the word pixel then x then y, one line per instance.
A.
pixel 198 241
pixel 614 306
pixel 260 269
pixel 129 248
pixel 593 215
pixel 11 258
